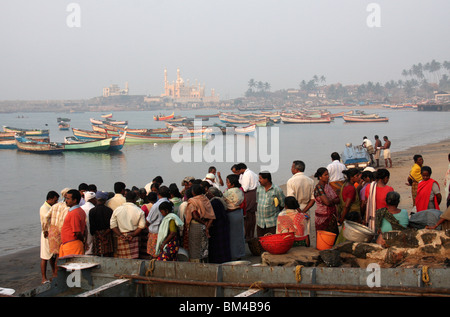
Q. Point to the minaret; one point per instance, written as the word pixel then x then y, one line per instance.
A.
pixel 165 82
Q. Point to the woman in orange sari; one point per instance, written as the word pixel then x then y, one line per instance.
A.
pixel 428 192
pixel 415 176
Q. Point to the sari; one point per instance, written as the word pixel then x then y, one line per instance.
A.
pixel 424 190
pixel 376 199
pixel 383 214
pixel 290 220
pixel 325 216
pixel 170 250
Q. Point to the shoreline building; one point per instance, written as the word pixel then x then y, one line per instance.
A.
pixel 115 90
pixel 181 91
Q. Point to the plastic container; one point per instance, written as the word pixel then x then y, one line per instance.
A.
pixel 279 243
pixel 325 240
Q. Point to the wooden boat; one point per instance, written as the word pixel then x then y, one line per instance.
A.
pixel 28 145
pixel 248 130
pixel 207 115
pixel 162 118
pixel 115 122
pixel 59 119
pixel 109 115
pixel 7 135
pixel 263 122
pixel 72 143
pixel 63 126
pixel 8 144
pixel 95 121
pixel 117 142
pixel 27 132
pixel 233 119
pixel 307 120
pixel 115 130
pixel 365 119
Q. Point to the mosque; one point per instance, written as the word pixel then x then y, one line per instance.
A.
pixel 182 91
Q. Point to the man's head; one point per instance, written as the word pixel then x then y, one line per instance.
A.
pixel 164 192
pixel 297 166
pixel 119 187
pixel 265 178
pixel 335 156
pixel 52 197
pixel 73 198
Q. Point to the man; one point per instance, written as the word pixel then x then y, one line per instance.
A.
pixel 387 151
pixel 218 178
pixel 46 255
pixel 211 179
pixel 74 227
pixel 90 203
pixel 54 222
pixel 301 186
pixel 118 199
pixel 154 219
pixel 99 226
pixel 249 182
pixel 270 200
pixel 335 169
pixel 127 222
pixel 83 187
pixel 377 150
pixel 367 144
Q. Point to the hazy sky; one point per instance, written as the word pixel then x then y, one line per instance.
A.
pixel 221 43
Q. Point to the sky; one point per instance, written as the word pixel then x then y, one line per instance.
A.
pixel 57 49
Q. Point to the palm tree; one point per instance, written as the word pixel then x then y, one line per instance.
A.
pixel 266 86
pixel 251 84
pixel 446 65
pixel 435 67
pixel 323 79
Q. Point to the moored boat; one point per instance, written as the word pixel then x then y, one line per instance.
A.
pixel 8 144
pixel 365 119
pixel 248 130
pixel 63 126
pixel 72 143
pixel 162 118
pixel 27 132
pixel 109 115
pixel 39 147
pixel 304 119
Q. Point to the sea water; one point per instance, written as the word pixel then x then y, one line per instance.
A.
pixel 26 177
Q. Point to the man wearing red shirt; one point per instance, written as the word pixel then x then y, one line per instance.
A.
pixel 73 229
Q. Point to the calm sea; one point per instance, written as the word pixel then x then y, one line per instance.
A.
pixel 26 178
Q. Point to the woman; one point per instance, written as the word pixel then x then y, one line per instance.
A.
pixel 175 198
pixel 367 177
pixel 326 200
pixel 168 242
pixel 219 242
pixel 376 196
pixel 350 207
pixel 415 176
pixel 198 216
pixel 391 217
pixel 428 191
pixel 234 197
pixel 291 220
pixel 152 198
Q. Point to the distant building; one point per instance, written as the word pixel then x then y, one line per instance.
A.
pixel 114 90
pixel 182 91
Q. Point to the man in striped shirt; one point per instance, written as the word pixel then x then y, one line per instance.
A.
pixel 270 200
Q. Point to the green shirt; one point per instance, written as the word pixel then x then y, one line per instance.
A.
pixel 267 212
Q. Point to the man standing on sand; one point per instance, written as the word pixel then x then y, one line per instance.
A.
pixel 387 151
pixel 118 199
pixel 367 144
pixel 74 227
pixel 301 186
pixel 249 181
pixel 377 150
pixel 46 255
pixel 335 169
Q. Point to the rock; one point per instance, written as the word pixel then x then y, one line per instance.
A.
pixel 361 249
pixel 331 257
pixel 395 256
pixel 402 239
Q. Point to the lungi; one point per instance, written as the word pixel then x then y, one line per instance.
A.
pixel 103 243
pixel 54 239
pixel 250 214
pixel 127 249
pixel 198 241
pixel 151 244
pixel 74 247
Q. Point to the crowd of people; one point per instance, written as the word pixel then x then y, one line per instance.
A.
pixel 209 220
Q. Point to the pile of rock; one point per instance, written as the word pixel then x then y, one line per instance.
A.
pixel 408 248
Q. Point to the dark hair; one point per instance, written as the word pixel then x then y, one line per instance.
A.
pixel 426 169
pixel 174 190
pixel 367 174
pixel 235 166
pixel 335 156
pixel 205 185
pixel 152 197
pixel 416 157
pixel 52 194
pixel 299 165
pixel 266 175
pixel 158 179
pixel 164 191
pixel 155 185
pixel 119 187
pixel 234 180
pixel 188 193
pixel 197 190
pixel 290 202
pixel 131 195
pixel 241 166
pixel 166 205
pixel 92 188
pixel 351 172
pixel 83 186
pixel 320 172
pixel 212 168
pixel 382 173
pixel 393 198
pixel 75 195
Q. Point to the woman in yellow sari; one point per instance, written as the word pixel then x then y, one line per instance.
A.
pixel 415 176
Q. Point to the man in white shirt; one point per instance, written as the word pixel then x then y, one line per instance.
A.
pixel 118 199
pixel 127 222
pixel 335 169
pixel 301 186
pixel 249 181
pixel 367 144
pixel 46 255
pixel 90 202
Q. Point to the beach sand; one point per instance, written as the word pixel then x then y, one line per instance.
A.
pixel 21 270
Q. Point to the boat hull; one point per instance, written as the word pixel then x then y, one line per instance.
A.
pixel 367 119
pixel 39 147
pixel 89 146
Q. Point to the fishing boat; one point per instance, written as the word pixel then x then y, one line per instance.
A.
pixel 63 126
pixel 8 144
pixel 364 118
pixel 95 121
pixel 233 119
pixel 216 115
pixel 72 143
pixel 59 119
pixel 162 118
pixel 27 132
pixel 7 135
pixel 265 122
pixel 39 147
pixel 117 142
pixel 247 130
pixel 115 122
pixel 109 115
pixel 304 119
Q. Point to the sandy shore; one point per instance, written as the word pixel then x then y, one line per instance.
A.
pixel 21 270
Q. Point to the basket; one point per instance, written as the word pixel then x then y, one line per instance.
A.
pixel 279 243
pixel 255 247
